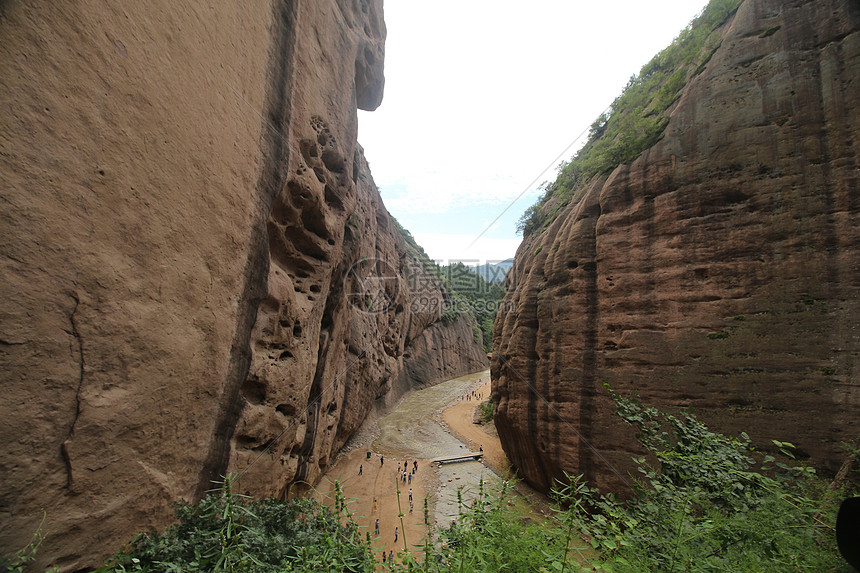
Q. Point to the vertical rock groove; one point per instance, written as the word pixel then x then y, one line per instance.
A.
pixel 315 406
pixel 274 141
pixel 588 385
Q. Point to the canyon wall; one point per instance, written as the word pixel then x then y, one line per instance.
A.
pixel 720 270
pixel 199 275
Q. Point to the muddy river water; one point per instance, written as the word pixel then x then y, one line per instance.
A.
pixel 413 430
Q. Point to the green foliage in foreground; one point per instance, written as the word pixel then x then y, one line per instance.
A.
pixel 637 118
pixel 706 505
pixel 27 554
pixel 711 503
pixel 226 533
pixel 708 502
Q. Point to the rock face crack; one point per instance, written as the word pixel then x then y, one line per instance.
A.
pixel 76 335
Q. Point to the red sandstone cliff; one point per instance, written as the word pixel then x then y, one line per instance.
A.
pixel 719 270
pixel 198 271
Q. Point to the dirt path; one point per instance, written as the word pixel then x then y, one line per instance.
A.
pixel 374 495
pixel 458 419
pixel 371 486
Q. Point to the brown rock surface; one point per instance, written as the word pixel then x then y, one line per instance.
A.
pixel 720 270
pixel 198 271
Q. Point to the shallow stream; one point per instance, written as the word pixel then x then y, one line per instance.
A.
pixel 412 429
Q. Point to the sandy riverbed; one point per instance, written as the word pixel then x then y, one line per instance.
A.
pixel 427 424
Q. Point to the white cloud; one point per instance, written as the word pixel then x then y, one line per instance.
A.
pixel 435 192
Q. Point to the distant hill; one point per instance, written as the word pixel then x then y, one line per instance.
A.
pixel 494 272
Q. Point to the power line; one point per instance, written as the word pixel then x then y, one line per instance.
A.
pixel 529 186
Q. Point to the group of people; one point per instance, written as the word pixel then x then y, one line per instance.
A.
pixel 405 471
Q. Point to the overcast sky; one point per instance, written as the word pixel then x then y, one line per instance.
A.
pixel 481 96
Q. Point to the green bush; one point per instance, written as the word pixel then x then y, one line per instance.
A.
pixel 487 410
pixel 225 532
pixel 712 503
pixel 492 536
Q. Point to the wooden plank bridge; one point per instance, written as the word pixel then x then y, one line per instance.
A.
pixel 473 456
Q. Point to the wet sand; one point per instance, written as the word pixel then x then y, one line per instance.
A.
pixel 458 420
pixel 419 429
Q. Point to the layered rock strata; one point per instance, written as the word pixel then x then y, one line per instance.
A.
pixel 720 270
pixel 199 276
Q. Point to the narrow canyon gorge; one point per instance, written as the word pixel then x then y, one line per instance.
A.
pixel 199 275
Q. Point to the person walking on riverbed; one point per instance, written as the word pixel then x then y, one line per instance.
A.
pixel 396 532
pixel 377 527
